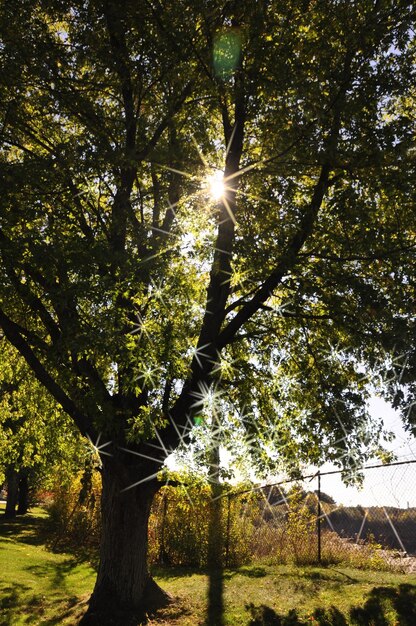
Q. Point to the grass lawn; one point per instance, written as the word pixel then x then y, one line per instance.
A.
pixel 36 585
pixel 291 596
pixel 40 587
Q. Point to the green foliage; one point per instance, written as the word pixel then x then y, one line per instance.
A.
pixel 300 530
pixel 36 435
pixel 113 256
pixel 179 525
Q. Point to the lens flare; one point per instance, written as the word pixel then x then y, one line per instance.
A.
pixel 215 184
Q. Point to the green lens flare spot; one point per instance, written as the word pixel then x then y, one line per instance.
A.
pixel 227 49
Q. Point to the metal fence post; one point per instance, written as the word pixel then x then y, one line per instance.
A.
pixel 318 520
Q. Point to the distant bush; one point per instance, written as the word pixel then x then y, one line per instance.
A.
pixel 74 512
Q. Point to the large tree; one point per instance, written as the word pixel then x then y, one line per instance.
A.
pixel 136 298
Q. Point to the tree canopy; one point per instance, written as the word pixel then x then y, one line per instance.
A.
pixel 134 295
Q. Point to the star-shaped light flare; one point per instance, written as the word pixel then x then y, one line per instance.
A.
pixel 224 368
pixel 139 327
pixel 149 375
pixel 198 353
pixel 157 292
pixel 95 449
pixel 208 397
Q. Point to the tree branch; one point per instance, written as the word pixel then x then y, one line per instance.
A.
pixel 117 36
pixel 24 291
pixel 219 286
pixel 377 256
pixel 12 333
pixel 286 262
pixel 290 257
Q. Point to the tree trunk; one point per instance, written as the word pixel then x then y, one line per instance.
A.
pixel 23 496
pixel 124 591
pixel 215 612
pixel 12 492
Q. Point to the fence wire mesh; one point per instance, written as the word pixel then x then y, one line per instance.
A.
pixel 300 522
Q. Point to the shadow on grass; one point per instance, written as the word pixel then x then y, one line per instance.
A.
pixel 402 599
pixel 376 610
pixel 25 528
pixel 15 603
pixel 164 572
pixel 73 608
pixel 215 597
pixel 252 572
pixel 56 573
pixel 329 575
pixel 215 608
pixel 10 599
pixel 80 554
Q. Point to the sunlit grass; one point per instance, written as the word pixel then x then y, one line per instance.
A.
pixel 285 588
pixel 36 585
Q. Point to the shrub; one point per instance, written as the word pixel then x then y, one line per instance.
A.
pixel 74 512
pixel 179 527
pixel 252 528
pixel 289 534
pixel 300 530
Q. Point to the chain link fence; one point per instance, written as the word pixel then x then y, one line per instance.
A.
pixel 301 522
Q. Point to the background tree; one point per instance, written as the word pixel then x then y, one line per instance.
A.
pixel 136 298
pixel 38 440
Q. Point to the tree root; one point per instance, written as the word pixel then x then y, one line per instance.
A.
pixel 104 612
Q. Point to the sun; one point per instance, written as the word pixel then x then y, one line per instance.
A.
pixel 215 184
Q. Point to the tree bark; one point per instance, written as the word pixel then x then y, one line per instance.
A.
pixel 23 494
pixel 215 609
pixel 12 479
pixel 124 591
